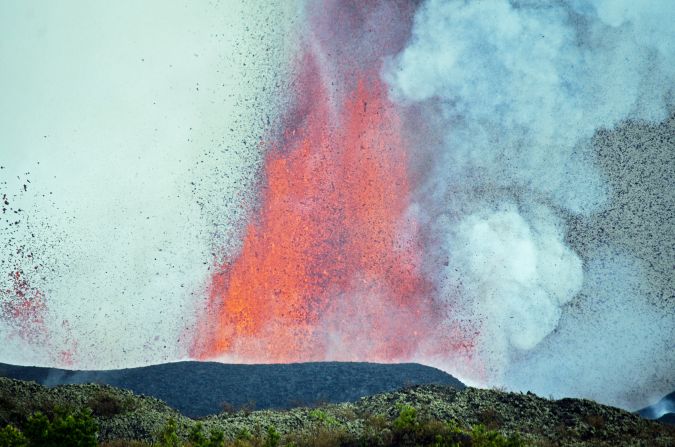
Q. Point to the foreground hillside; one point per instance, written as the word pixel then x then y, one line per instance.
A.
pixel 199 389
pixel 418 415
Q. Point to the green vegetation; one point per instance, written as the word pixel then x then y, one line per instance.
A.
pixel 77 429
pixel 106 404
pixel 10 436
pixel 410 430
pixel 167 436
pixel 323 417
pixel 407 419
pixel 273 437
pixel 88 415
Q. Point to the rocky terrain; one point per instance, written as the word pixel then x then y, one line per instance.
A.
pixel 199 389
pixel 378 419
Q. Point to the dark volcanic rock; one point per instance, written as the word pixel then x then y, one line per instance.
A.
pixel 668 418
pixel 198 389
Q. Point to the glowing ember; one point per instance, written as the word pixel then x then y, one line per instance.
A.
pixel 330 267
pixel 23 306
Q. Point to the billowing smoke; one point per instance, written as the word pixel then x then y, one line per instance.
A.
pixel 612 347
pixel 512 95
pixel 511 277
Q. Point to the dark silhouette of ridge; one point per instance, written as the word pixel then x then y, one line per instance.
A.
pixel 198 389
pixel 663 410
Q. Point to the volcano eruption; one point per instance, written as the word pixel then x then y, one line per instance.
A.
pixel 479 186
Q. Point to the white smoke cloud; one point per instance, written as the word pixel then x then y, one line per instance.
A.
pixel 613 349
pixel 513 278
pixel 516 90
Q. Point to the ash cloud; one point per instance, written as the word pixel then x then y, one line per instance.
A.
pixel 511 94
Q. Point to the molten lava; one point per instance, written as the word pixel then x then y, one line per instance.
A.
pixel 330 266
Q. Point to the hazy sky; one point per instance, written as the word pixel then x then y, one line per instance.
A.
pixel 123 113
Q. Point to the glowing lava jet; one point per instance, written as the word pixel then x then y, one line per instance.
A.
pixel 330 265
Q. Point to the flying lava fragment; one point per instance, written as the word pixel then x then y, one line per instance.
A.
pixel 331 254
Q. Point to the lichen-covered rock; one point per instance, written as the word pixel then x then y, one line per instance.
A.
pixel 539 421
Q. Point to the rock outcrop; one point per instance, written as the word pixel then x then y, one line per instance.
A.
pixel 124 415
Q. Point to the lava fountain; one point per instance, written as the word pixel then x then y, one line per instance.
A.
pixel 330 266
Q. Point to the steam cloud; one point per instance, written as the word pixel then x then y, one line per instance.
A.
pixel 515 91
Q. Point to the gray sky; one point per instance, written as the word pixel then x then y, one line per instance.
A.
pixel 135 111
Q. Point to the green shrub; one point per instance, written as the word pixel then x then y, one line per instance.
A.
pixel 37 429
pixel 407 419
pixel 75 429
pixel 482 437
pixel 125 443
pixel 273 437
pixel 325 437
pixel 10 436
pixel 410 429
pixel 10 410
pixel 167 436
pixel 244 435
pixel 323 417
pixel 105 404
pixel 197 438
pixel 217 439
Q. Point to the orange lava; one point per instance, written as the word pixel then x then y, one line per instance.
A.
pixel 329 268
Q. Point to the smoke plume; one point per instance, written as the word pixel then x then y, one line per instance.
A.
pixel 511 94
